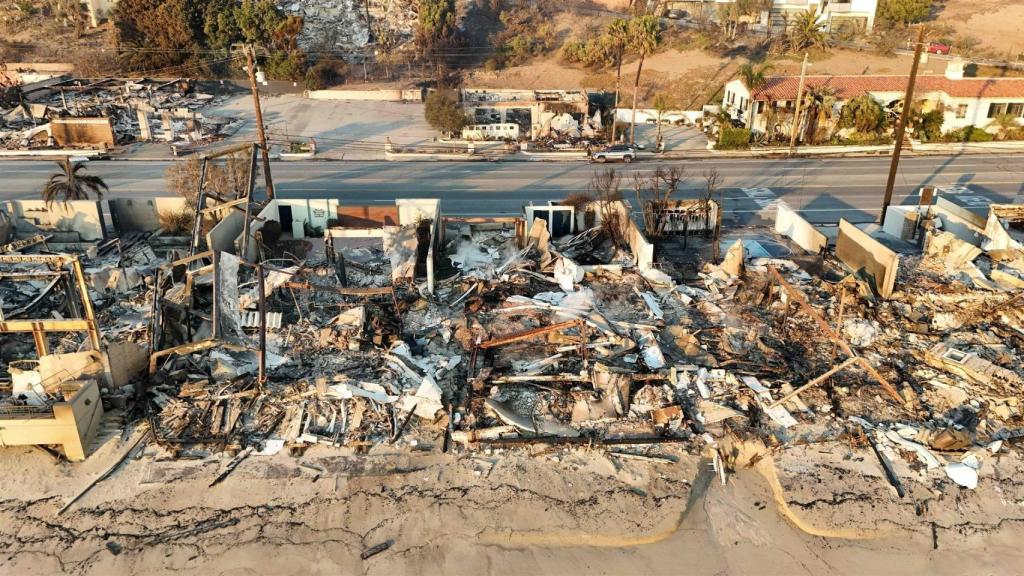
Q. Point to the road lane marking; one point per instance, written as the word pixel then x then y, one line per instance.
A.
pixel 763 197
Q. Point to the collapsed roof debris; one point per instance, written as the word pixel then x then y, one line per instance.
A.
pixel 362 326
pixel 350 24
pixel 107 112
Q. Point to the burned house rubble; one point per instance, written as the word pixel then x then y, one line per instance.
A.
pixel 346 24
pixel 299 323
pixel 99 114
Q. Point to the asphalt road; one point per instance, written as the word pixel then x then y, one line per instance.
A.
pixel 824 190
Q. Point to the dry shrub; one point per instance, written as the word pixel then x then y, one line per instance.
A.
pixel 177 222
pixel 578 200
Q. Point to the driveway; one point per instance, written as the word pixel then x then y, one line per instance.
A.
pixel 677 138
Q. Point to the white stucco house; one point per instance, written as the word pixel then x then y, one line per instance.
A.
pixel 834 14
pixel 966 101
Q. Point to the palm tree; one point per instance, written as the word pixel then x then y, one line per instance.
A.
pixel 644 37
pixel 663 102
pixel 1004 124
pixel 819 103
pixel 754 76
pixel 618 31
pixel 807 31
pixel 864 114
pixel 68 184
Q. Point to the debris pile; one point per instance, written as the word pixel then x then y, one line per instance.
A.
pixel 458 333
pixel 351 24
pixel 99 114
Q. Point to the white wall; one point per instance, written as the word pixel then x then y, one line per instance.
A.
pixel 223 236
pixel 896 219
pixel 82 216
pixel 141 214
pixel 316 212
pixel 791 225
pixel 415 95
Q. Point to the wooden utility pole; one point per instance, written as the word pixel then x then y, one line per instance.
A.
pixel 901 128
pixel 799 100
pixel 250 56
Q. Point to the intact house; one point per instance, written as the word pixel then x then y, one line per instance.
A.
pixel 834 15
pixel 537 113
pixel 965 101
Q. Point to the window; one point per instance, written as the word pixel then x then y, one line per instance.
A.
pixel 1017 109
pixel 996 109
pixel 961 111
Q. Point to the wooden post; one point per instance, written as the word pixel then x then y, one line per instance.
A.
pixel 250 56
pixel 250 185
pixel 901 128
pixel 796 113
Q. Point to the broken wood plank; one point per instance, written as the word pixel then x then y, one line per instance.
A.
pixel 339 290
pixel 109 471
pixel 644 457
pixel 529 334
pixel 801 301
pixel 832 371
pixel 231 467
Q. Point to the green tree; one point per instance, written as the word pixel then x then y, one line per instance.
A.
pixel 864 114
pixel 71 184
pixel 904 12
pixel 643 40
pixel 819 104
pixel 927 126
pixel 443 112
pixel 754 76
pixel 286 33
pixel 219 24
pixel 257 20
pixel 806 30
pixel 1005 125
pixel 436 30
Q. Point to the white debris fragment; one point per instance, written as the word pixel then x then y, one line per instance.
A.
pixel 860 332
pixel 652 303
pixel 653 356
pixel 962 474
pixel 567 273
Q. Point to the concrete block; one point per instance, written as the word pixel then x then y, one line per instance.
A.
pixel 790 224
pixel 860 251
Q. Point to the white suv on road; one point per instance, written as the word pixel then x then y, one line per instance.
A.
pixel 622 152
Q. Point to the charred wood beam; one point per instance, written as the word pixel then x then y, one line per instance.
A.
pixel 529 334
pixel 801 301
pixel 338 290
pixel 834 370
pixel 583 440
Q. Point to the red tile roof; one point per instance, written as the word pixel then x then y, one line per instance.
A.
pixel 846 87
